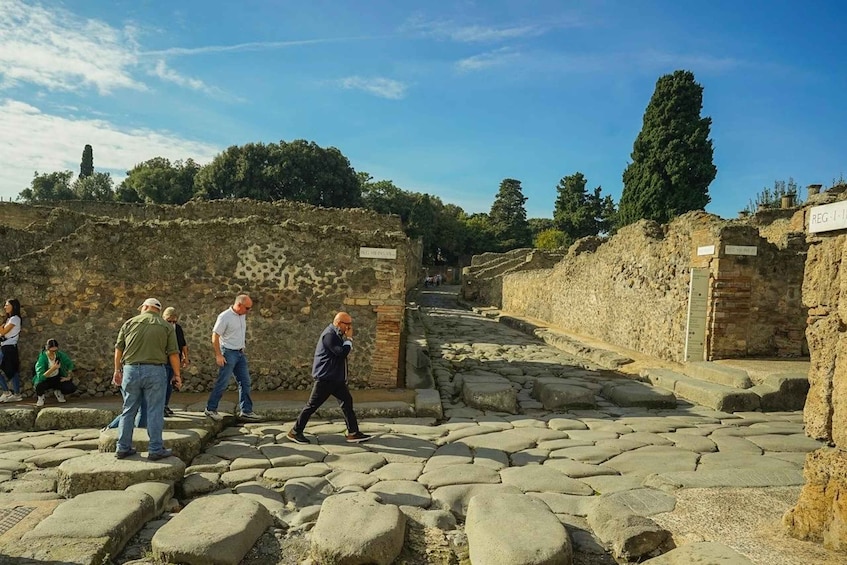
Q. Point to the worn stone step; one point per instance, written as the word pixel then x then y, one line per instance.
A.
pixel 489 393
pixel 784 391
pixel 558 394
pixel 638 394
pixel 718 374
pixel 705 393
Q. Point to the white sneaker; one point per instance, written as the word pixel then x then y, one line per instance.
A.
pixel 40 401
pixel 213 414
pixel 59 396
pixel 252 416
pixel 14 398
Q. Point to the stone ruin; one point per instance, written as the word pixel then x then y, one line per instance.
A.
pixel 80 269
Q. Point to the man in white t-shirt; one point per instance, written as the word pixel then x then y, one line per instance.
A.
pixel 229 337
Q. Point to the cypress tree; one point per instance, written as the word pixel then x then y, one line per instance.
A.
pixel 86 167
pixel 671 166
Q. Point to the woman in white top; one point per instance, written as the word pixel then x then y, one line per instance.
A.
pixel 11 363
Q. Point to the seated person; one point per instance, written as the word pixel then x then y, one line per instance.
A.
pixel 53 371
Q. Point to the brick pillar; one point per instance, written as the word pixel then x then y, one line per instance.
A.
pixel 729 318
pixel 386 358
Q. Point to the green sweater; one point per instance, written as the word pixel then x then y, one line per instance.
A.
pixel 43 363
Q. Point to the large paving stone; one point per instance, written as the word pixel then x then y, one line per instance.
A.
pixel 92 528
pixel 102 471
pixel 653 459
pixel 455 498
pixel 725 478
pixel 514 440
pixel 307 491
pixel 538 478
pixel 402 493
pixel 377 536
pixel 185 444
pixel 535 535
pixel 459 475
pixel 198 535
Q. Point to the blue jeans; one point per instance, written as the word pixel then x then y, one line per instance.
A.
pixel 143 383
pixel 16 383
pixel 140 419
pixel 236 364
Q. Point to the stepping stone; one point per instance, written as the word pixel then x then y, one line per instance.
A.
pixel 377 537
pixel 557 394
pixel 535 535
pixel 185 444
pixel 53 418
pixel 638 394
pixel 489 393
pixel 198 536
pixel 102 471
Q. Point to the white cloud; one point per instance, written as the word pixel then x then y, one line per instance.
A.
pixel 60 51
pixel 31 140
pixel 242 47
pixel 378 86
pixel 169 75
pixel 494 58
pixel 446 29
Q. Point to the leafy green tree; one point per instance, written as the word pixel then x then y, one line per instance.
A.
pixel 96 186
pixel 86 166
pixel 48 187
pixel 508 216
pixel 479 234
pixel 550 239
pixel 538 225
pixel 671 166
pixel 299 170
pixel 159 181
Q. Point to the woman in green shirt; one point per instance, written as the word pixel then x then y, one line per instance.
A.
pixel 53 370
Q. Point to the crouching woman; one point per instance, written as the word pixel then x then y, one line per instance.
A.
pixel 53 371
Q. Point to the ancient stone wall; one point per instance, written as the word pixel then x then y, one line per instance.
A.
pixel 81 287
pixel 632 290
pixel 821 512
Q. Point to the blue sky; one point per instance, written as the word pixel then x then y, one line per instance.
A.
pixel 447 98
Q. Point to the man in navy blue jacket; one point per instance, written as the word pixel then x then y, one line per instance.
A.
pixel 329 370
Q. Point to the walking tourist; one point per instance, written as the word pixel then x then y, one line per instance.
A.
pixel 145 344
pixel 329 369
pixel 170 315
pixel 229 336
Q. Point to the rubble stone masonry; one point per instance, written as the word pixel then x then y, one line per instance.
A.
pixel 81 269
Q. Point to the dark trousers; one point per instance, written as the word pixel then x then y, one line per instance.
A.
pixel 65 387
pixel 321 391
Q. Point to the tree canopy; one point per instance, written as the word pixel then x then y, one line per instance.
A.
pixel 671 166
pixel 49 186
pixel 159 181
pixel 508 216
pixel 578 213
pixel 299 170
pixel 86 166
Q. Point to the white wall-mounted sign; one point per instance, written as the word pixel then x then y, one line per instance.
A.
pixel 706 250
pixel 741 250
pixel 377 253
pixel 828 217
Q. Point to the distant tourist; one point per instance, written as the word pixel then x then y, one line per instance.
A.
pixel 53 371
pixel 145 344
pixel 329 369
pixel 11 363
pixel 229 337
pixel 170 315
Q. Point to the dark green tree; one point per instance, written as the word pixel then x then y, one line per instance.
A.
pixel 86 166
pixel 97 186
pixel 479 235
pixel 671 166
pixel 159 181
pixel 579 213
pixel 299 170
pixel 48 187
pixel 508 216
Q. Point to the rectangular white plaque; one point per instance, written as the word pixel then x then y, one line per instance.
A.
pixel 377 253
pixel 695 326
pixel 706 250
pixel 828 217
pixel 741 250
